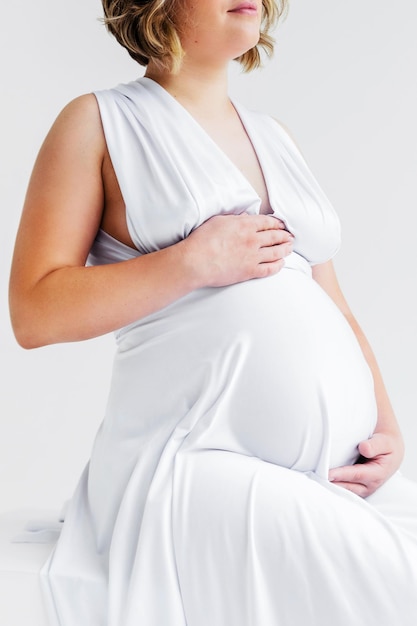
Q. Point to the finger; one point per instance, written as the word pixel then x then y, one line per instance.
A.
pixel 277 242
pixel 274 253
pixel 267 238
pixel 281 223
pixel 378 444
pixel 263 270
pixel 267 222
pixel 364 474
pixel 357 488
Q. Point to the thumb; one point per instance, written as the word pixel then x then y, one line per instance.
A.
pixel 374 446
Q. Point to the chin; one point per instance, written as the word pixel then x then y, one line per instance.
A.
pixel 238 51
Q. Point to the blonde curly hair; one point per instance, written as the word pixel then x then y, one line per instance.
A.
pixel 147 29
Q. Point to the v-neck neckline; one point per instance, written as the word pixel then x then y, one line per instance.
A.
pixel 232 166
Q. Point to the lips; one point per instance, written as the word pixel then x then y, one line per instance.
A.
pixel 249 8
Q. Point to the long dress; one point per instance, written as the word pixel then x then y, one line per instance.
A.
pixel 206 500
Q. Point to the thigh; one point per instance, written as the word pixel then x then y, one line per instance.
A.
pixel 256 543
pixel 396 500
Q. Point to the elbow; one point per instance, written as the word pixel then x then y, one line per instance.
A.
pixel 28 330
pixel 30 325
pixel 29 343
pixel 32 329
pixel 27 337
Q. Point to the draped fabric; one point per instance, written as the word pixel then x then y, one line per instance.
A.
pixel 206 500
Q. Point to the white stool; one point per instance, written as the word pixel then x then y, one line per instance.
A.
pixel 21 601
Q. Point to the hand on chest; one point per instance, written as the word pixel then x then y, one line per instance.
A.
pixel 175 171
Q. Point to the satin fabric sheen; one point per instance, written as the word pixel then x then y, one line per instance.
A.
pixel 206 500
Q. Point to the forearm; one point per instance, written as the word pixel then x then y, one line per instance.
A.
pixel 387 421
pixel 384 451
pixel 326 277
pixel 54 298
pixel 76 303
pixel 53 303
pixel 381 454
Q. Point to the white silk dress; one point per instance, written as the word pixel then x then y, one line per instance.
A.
pixel 206 500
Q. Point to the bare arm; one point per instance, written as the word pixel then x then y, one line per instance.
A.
pixel 54 298
pixel 385 449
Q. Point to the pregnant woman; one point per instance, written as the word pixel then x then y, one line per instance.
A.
pixel 245 473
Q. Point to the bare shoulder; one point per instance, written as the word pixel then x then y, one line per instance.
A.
pixel 84 108
pixel 74 148
pixel 64 200
pixel 79 124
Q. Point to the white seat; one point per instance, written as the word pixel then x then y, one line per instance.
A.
pixel 21 601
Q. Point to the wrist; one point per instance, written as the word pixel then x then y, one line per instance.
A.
pixel 189 265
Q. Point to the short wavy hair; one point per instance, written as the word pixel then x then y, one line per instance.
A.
pixel 147 29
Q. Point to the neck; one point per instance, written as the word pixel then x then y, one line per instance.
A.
pixel 200 91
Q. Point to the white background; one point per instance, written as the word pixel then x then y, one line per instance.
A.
pixel 343 80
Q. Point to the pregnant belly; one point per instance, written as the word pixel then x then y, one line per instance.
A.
pixel 268 368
